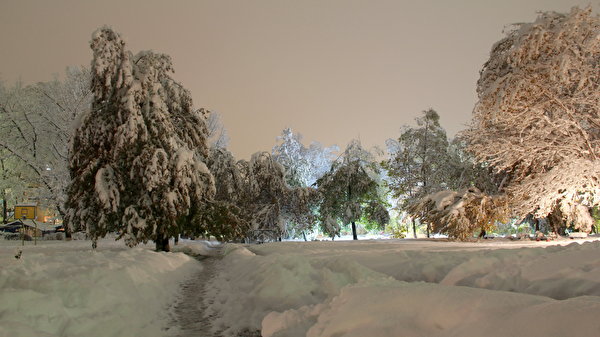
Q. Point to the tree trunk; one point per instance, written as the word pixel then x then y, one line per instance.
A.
pixel 68 235
pixel 354 236
pixel 482 234
pixel 414 223
pixel 4 211
pixel 162 243
pixel 556 222
pixel 304 235
pixel 428 229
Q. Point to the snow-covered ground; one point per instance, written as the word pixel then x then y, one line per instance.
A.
pixel 364 288
pixel 410 288
pixel 62 288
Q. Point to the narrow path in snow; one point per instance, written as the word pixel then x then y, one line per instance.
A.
pixel 190 312
pixel 190 315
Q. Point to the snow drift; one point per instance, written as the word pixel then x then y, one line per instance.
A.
pixel 403 288
pixel 66 289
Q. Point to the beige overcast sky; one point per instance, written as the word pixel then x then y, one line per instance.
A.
pixel 332 70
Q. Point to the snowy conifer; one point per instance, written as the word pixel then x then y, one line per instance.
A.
pixel 134 165
pixel 537 118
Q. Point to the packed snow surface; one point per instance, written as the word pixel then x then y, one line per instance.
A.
pixel 409 288
pixel 67 289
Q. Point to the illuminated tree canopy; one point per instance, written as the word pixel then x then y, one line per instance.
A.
pixel 538 119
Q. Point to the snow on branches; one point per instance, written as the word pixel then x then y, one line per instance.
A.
pixel 349 191
pixel 538 116
pixel 36 126
pixel 567 189
pixel 135 161
pixel 459 214
pixel 303 166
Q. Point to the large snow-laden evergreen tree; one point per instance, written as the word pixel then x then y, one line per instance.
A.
pixel 134 166
pixel 538 119
pixel 349 191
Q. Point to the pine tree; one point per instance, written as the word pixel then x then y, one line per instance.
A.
pixel 537 117
pixel 135 163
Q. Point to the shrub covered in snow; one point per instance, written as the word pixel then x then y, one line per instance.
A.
pixel 459 214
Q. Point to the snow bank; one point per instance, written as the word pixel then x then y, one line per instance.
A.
pixel 391 288
pixel 66 289
pixel 421 309
pixel 198 248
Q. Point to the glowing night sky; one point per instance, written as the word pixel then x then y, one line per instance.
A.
pixel 332 70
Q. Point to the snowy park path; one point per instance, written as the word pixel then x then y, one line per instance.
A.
pixel 190 310
pixel 191 315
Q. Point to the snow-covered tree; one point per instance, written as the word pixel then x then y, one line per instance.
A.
pixel 537 119
pixel 348 189
pixel 460 213
pixel 320 158
pixel 135 163
pixel 36 123
pixel 291 154
pixel 419 161
pixel 299 210
pixel 303 166
pixel 418 158
pixel 265 192
pixel 252 197
pixel 463 170
pixel 14 175
pixel 217 134
pixel 223 216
